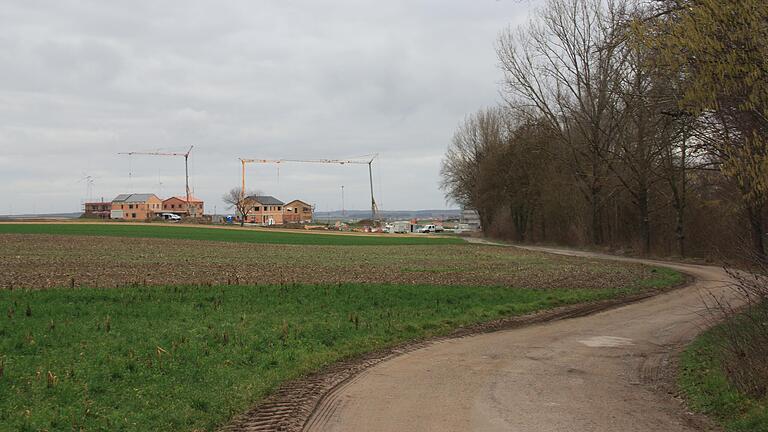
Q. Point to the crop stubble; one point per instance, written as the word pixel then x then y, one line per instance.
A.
pixel 45 261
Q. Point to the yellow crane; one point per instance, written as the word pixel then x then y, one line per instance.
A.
pixel 369 162
pixel 186 167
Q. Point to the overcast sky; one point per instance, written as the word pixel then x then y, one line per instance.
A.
pixel 83 80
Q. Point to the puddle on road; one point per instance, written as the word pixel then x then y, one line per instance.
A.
pixel 606 342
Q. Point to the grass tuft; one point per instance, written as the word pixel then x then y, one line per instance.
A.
pixel 704 382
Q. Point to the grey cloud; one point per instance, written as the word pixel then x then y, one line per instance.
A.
pixel 81 81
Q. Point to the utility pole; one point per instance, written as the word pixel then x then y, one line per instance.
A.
pixel 343 213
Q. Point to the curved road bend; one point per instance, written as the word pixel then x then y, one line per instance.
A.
pixel 594 373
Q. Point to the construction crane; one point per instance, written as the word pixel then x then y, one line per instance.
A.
pixel 186 167
pixel 374 208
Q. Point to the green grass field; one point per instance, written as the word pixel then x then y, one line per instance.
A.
pixel 184 358
pixel 176 344
pixel 708 391
pixel 225 235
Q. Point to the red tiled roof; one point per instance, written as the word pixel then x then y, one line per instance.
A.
pixel 184 199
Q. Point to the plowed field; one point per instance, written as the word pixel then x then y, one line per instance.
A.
pixel 45 261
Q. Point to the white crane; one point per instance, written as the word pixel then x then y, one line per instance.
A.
pixel 186 167
pixel 369 162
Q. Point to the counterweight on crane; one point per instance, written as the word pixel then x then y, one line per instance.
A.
pixel 374 207
pixel 186 168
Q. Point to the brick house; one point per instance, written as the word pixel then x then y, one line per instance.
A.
pixel 297 211
pixel 265 210
pixel 178 205
pixel 100 210
pixel 135 207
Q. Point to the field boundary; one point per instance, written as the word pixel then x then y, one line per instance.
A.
pixel 224 233
pixel 234 227
pixel 295 404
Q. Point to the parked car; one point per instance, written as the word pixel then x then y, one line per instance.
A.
pixel 439 228
pixel 428 229
pixel 171 217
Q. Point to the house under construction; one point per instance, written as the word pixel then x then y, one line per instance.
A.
pixel 143 207
pixel 268 210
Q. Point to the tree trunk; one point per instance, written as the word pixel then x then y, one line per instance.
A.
pixel 755 215
pixel 485 220
pixel 679 206
pixel 597 223
pixel 520 220
pixel 681 199
pixel 645 223
pixel 679 233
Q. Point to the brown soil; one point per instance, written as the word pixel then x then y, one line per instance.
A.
pixel 42 261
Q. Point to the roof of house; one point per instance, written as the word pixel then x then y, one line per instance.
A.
pixel 132 198
pixel 298 201
pixel 184 199
pixel 266 200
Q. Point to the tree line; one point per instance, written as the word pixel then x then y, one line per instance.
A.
pixel 625 124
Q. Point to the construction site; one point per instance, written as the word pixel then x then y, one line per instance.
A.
pixel 262 209
pixel 147 206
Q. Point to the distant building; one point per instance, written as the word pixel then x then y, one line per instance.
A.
pixel 268 210
pixel 178 205
pixel 135 206
pixel 470 219
pixel 265 210
pixel 99 210
pixel 297 211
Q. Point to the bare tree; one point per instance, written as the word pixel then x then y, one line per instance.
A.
pixel 563 67
pixel 720 48
pixel 239 201
pixel 523 169
pixel 610 133
pixel 473 144
pixel 645 133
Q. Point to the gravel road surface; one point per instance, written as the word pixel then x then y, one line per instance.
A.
pixel 604 372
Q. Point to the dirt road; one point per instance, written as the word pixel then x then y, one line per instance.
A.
pixel 596 373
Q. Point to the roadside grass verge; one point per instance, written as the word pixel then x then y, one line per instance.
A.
pixel 192 357
pixel 225 235
pixel 704 382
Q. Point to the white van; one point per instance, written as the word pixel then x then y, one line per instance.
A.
pixel 400 227
pixel 171 217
